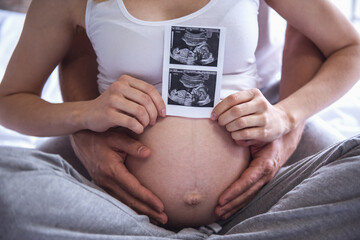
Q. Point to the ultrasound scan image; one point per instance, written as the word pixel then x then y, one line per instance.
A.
pixel 194 46
pixel 191 88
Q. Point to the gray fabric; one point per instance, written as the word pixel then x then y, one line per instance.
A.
pixel 43 197
pixel 62 146
pixel 315 198
pixel 316 136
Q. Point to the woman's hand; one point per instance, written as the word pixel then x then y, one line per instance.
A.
pixel 250 118
pixel 103 155
pixel 129 103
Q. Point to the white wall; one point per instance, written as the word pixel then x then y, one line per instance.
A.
pixel 344 5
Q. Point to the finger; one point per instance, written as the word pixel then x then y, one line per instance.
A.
pixel 114 175
pixel 247 143
pixel 236 112
pixel 248 178
pixel 120 141
pixel 123 120
pixel 253 133
pixel 230 101
pixel 131 185
pixel 226 211
pixel 135 204
pixel 235 210
pixel 130 107
pixel 245 122
pixel 241 201
pixel 144 100
pixel 155 222
pixel 152 92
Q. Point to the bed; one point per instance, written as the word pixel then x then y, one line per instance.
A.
pixel 342 118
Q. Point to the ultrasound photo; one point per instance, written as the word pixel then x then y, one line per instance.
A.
pixel 194 46
pixel 191 88
pixel 192 70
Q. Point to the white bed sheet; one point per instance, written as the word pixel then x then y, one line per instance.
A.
pixel 343 117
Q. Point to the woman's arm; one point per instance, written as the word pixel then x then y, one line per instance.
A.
pixel 49 28
pixel 47 33
pixel 250 118
pixel 338 42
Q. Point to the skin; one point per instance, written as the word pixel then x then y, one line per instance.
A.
pixel 19 100
pixel 302 59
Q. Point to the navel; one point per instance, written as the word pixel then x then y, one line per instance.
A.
pixel 193 198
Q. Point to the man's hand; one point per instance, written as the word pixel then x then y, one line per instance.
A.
pixel 267 160
pixel 103 155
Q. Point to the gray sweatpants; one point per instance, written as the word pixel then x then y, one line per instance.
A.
pixel 43 197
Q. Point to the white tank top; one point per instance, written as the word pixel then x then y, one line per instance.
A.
pixel 269 51
pixel 127 45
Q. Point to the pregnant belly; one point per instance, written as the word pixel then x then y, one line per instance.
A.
pixel 192 162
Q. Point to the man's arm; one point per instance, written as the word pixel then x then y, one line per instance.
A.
pixel 103 154
pixel 301 60
pixel 78 70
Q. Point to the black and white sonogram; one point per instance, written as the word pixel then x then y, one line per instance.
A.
pixel 191 88
pixel 194 46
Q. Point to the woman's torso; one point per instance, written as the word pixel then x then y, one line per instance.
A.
pixel 125 44
pixel 193 160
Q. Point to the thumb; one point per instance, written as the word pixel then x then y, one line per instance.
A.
pixel 142 151
pixel 129 146
pixel 254 149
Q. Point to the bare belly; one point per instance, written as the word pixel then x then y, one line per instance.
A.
pixel 192 162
